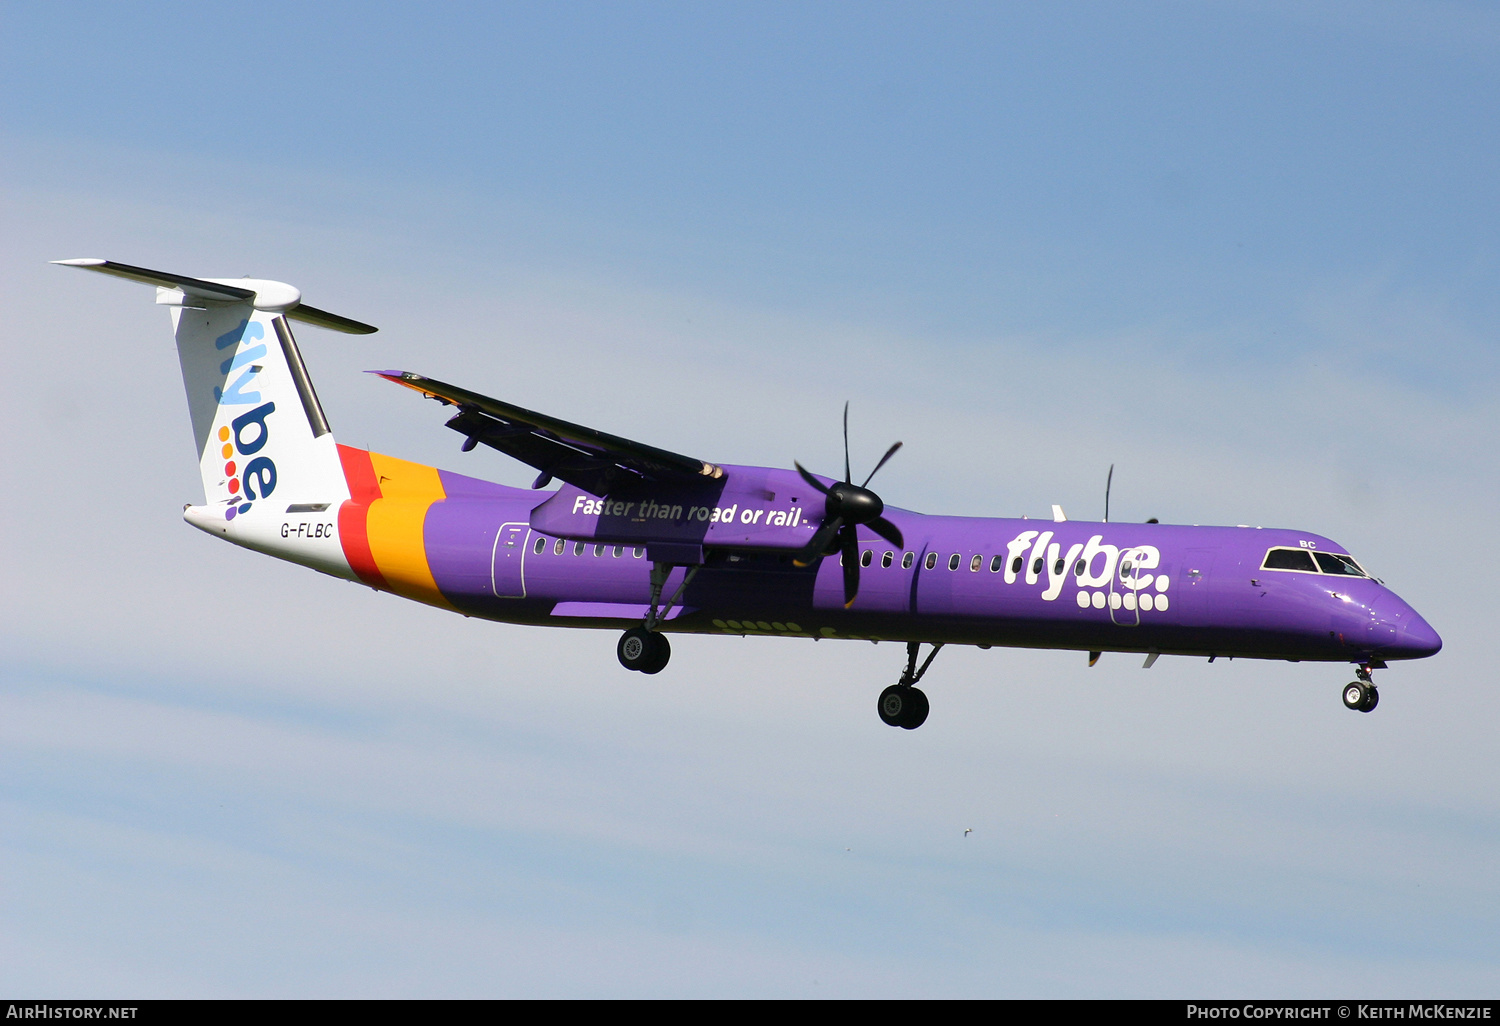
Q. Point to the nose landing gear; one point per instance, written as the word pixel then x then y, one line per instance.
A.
pixel 903 704
pixel 1360 695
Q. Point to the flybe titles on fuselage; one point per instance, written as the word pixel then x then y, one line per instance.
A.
pixel 1103 574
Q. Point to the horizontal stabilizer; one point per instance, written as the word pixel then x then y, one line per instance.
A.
pixel 583 457
pixel 267 295
pixel 195 287
pixel 323 319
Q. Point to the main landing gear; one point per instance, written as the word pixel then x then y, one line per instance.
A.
pixel 903 704
pixel 1360 695
pixel 645 649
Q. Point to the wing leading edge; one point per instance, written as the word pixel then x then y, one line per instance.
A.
pixel 594 461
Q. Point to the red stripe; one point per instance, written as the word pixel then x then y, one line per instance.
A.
pixel 364 489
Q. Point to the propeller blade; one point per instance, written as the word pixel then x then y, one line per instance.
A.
pixel 848 477
pixel 887 530
pixel 850 546
pixel 888 454
pixel 819 543
pixel 807 476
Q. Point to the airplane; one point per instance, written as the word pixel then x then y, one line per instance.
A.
pixel 652 542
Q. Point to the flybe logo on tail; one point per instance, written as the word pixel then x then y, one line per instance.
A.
pixel 244 437
pixel 235 394
pixel 257 478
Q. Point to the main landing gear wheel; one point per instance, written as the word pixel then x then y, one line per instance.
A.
pixel 643 651
pixel 903 706
pixel 1360 696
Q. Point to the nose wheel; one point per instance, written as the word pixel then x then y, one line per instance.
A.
pixel 643 651
pixel 1360 695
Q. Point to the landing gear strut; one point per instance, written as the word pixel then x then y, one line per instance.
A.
pixel 644 649
pixel 903 704
pixel 1360 695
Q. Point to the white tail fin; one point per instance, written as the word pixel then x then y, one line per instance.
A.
pixel 256 419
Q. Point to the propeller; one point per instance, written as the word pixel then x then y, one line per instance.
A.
pixel 846 506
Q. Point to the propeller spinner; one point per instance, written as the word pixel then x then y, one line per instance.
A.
pixel 845 507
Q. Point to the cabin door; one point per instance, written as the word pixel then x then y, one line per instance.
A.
pixel 508 563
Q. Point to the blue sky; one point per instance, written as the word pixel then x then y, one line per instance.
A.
pixel 1247 252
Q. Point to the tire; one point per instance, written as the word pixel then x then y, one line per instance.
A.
pixel 1356 695
pixel 635 650
pixel 893 705
pixel 1371 702
pixel 660 651
pixel 916 710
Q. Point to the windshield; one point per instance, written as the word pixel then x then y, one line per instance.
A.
pixel 1311 562
pixel 1335 563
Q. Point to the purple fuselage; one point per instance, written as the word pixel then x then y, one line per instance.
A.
pixel 554 559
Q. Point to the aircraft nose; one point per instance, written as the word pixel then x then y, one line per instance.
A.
pixel 1415 638
pixel 1402 632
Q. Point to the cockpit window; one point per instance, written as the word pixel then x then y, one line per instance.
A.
pixel 1303 560
pixel 1336 563
pixel 1290 559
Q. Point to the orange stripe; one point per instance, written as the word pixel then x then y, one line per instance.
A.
pixel 395 526
pixel 354 535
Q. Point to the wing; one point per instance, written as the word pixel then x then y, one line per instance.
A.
pixel 598 463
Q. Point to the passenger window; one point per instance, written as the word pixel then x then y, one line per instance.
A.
pixel 1078 568
pixel 557 550
pixel 954 560
pixel 866 557
pixel 619 551
pixel 598 550
pixel 1336 563
pixel 1290 559
pixel 906 560
pixel 540 546
pixel 1036 565
pixel 976 563
pixel 887 559
pixel 931 560
pixel 578 548
pixel 995 564
pixel 1015 565
pixel 640 550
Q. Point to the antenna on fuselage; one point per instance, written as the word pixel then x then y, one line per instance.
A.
pixel 1108 481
